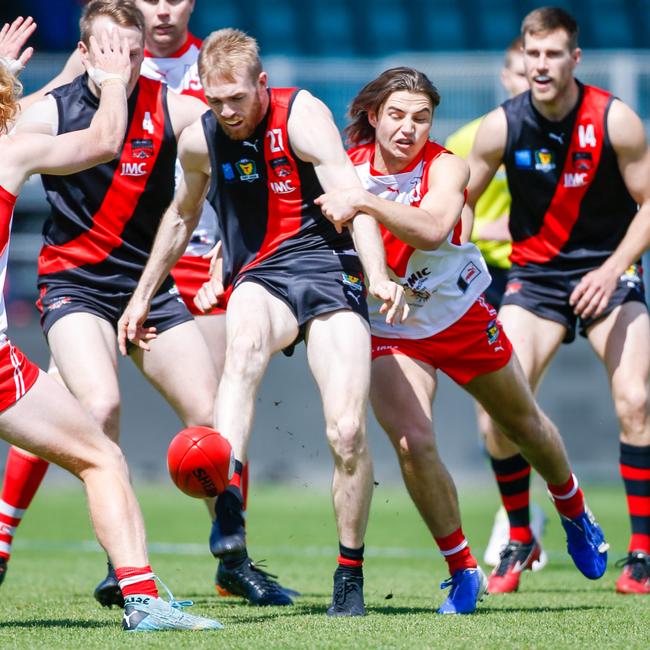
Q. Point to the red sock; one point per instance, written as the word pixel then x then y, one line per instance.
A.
pixel 568 498
pixel 456 551
pixel 23 475
pixel 236 478
pixel 136 581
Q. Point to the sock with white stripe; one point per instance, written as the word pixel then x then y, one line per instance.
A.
pixel 456 551
pixel 568 498
pixel 136 581
pixel 23 475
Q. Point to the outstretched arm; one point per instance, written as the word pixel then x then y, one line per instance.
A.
pixel 627 135
pixel 25 154
pixel 174 232
pixel 316 140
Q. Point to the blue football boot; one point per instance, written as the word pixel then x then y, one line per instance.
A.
pixel 586 544
pixel 468 586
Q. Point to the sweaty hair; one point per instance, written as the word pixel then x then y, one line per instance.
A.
pixel 513 48
pixel 10 90
pixel 373 95
pixel 227 52
pixel 549 19
pixel 123 12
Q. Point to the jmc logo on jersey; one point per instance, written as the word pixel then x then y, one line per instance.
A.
pixel 575 179
pixel 134 169
pixel 282 187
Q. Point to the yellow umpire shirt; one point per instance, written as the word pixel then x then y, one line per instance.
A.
pixel 494 203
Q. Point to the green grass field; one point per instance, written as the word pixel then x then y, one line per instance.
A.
pixel 46 600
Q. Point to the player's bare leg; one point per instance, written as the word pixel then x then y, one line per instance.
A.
pixel 84 350
pixel 622 341
pixel 213 329
pixel 507 397
pixel 402 391
pixel 535 340
pixel 254 334
pixel 338 350
pixel 50 423
pixel 179 358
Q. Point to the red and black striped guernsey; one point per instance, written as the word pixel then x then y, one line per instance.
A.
pixel 264 194
pixel 570 207
pixel 104 220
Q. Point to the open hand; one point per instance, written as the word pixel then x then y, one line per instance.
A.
pixel 12 40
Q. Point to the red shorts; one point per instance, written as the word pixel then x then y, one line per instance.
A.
pixel 473 346
pixel 189 275
pixel 17 375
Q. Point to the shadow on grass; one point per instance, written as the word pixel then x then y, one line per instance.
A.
pixel 57 623
pixel 540 610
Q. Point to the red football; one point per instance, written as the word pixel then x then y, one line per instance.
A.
pixel 200 461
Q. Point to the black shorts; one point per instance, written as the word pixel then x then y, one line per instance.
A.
pixel 545 293
pixel 312 292
pixel 494 293
pixel 60 299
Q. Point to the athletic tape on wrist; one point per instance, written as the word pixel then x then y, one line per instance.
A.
pixel 13 65
pixel 99 76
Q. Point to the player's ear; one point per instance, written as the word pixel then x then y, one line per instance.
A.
pixel 263 80
pixel 372 118
pixel 83 51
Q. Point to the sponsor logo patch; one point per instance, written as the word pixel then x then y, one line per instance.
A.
pixel 469 273
pixel 632 276
pixel 544 160
pixel 513 287
pixel 133 169
pixel 282 187
pixel 575 179
pixel 523 158
pixel 228 172
pixel 582 160
pixel 247 170
pixel 142 148
pixel 281 166
pixel 57 304
pixel 492 332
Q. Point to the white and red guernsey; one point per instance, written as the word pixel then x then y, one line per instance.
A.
pixel 440 285
pixel 7 203
pixel 180 72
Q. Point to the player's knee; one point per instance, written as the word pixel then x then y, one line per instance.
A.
pixel 347 439
pixel 98 454
pixel 631 404
pixel 245 356
pixel 105 410
pixel 416 445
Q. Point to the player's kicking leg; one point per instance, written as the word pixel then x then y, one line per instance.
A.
pixel 507 397
pixel 258 325
pixel 622 341
pixel 402 391
pixel 49 422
